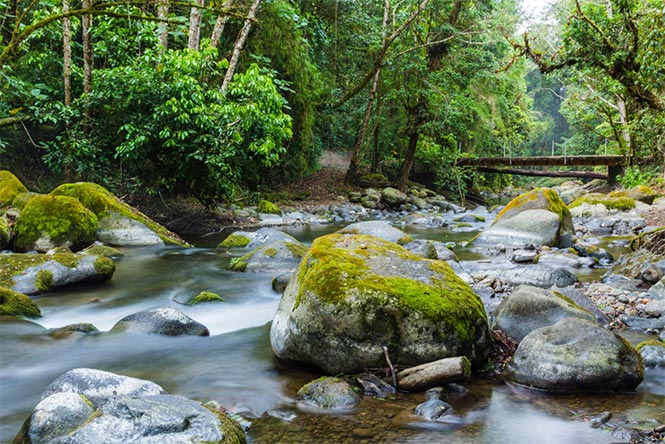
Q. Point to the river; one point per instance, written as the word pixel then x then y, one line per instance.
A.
pixel 235 365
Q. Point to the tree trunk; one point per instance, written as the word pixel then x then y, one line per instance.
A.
pixel 163 28
pixel 240 43
pixel 67 54
pixel 352 171
pixel 86 26
pixel 220 23
pixel 407 164
pixel 195 25
pixel 627 139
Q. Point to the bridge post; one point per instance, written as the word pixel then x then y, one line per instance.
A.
pixel 613 171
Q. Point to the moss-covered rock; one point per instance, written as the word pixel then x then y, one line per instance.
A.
pixel 119 223
pixel 379 229
pixel 329 393
pixel 4 232
pixel 10 187
pixel 21 200
pixel 354 294
pixel 17 304
pixel 37 273
pixel 47 222
pixel 641 192
pixel 235 240
pixel 206 296
pixel 537 218
pixel 102 250
pixel 619 203
pixel 267 207
pixel 277 256
pixel 255 239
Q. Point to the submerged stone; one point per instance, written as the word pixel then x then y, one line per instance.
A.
pixel 160 321
pixel 329 393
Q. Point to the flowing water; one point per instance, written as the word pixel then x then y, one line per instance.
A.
pixel 235 365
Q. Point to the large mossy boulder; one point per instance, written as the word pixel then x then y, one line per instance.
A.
pixel 529 308
pixel 4 232
pixel 38 273
pixel 17 304
pixel 640 193
pixel 379 229
pixel 48 222
pixel 119 223
pixel 354 294
pixel 536 218
pixel 10 187
pixel 86 406
pixel 576 355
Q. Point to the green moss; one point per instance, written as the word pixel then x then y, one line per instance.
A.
pixel 404 239
pixel 651 343
pixel 104 266
pixel 44 280
pixel 206 296
pixel 17 304
pixel 103 251
pixel 375 177
pixel 333 269
pixel 270 252
pixel 22 199
pixel 231 429
pixel 267 207
pixel 10 187
pixel 528 200
pixel 4 232
pixel 60 218
pixel 611 203
pixel 103 203
pixel 462 225
pixel 234 241
pixel 239 263
pixel 297 249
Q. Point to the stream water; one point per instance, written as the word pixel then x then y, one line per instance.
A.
pixel 235 365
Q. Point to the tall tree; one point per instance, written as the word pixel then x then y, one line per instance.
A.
pixel 163 28
pixel 239 44
pixel 220 23
pixel 86 28
pixel 67 54
pixel 195 25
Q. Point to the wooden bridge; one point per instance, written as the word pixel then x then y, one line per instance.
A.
pixel 614 164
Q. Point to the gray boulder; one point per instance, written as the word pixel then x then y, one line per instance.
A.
pixel 653 353
pixel 38 273
pixel 536 218
pixel 160 321
pixel 430 249
pixel 393 197
pixel 529 308
pixel 575 355
pixel 378 229
pixel 275 257
pixel 354 294
pixel 329 393
pixel 91 406
pixel 657 290
pixel 514 275
pixel 120 230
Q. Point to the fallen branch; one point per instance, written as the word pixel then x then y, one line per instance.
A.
pixel 390 365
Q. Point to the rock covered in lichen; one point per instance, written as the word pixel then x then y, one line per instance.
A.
pixel 93 406
pixel 48 222
pixel 617 202
pixel 160 321
pixel 529 308
pixel 275 257
pixel 38 273
pixel 576 355
pixel 17 304
pixel 640 193
pixel 254 239
pixel 267 207
pixel 353 294
pixel 329 393
pixel 119 223
pixel 536 218
pixel 10 187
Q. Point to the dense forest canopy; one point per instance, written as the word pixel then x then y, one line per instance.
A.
pixel 213 97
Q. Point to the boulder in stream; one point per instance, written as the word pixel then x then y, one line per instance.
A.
pixel 119 223
pixel 92 406
pixel 529 308
pixel 161 321
pixel 254 239
pixel 353 294
pixel 276 257
pixel 17 304
pixel 329 393
pixel 377 228
pixel 38 273
pixel 536 218
pixel 576 355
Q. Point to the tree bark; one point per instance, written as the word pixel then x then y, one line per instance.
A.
pixel 163 28
pixel 407 164
pixel 86 26
pixel 352 171
pixel 239 44
pixel 195 25
pixel 220 23
pixel 67 54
